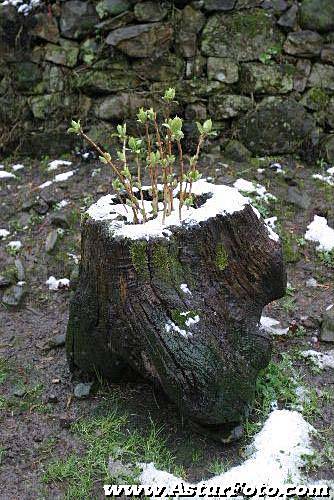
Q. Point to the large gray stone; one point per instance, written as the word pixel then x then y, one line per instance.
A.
pixel 303 44
pixel 317 15
pixel 99 82
pixel 106 8
pixel 222 69
pixel 149 11
pixel 257 78
pixel 242 36
pixel 77 19
pixel 167 68
pixel 120 106
pixel 14 296
pixel 327 148
pixel 289 18
pixel 303 70
pixel 45 27
pixel 278 126
pixel 237 152
pixel 67 55
pixel 327 54
pixel 322 76
pixel 224 5
pixel 142 40
pixel 327 326
pixel 228 106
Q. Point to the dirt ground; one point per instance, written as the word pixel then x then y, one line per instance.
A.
pixel 37 405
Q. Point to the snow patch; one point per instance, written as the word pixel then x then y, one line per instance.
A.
pixel 328 308
pixel 55 284
pixel 329 178
pixel 45 184
pixel 17 167
pixel 222 200
pixel 271 326
pixel 320 359
pixel 185 289
pixel 253 188
pixel 4 233
pixel 23 7
pixel 15 245
pixel 6 175
pixel 64 176
pixel 53 165
pixel 275 456
pixel 319 231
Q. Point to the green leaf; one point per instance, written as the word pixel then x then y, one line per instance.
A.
pixel 169 95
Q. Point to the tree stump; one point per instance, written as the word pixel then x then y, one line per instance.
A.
pixel 181 306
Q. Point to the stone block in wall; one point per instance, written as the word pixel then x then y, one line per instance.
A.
pixel 117 77
pixel 315 99
pixel 115 22
pixel 166 68
pixel 327 54
pixel 45 27
pixel 106 8
pixel 223 107
pixel 196 111
pixel 65 55
pixel 278 126
pixel 289 18
pixel 78 19
pixel 303 70
pixel 322 76
pixel 242 36
pixel 303 44
pixel 219 5
pixel 195 67
pixel 26 76
pixel 317 15
pixel 257 78
pixel 142 40
pixel 330 113
pixel 149 11
pixel 49 105
pixel 120 106
pixel 192 20
pixel 222 69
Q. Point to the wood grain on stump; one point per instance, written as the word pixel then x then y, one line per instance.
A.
pixel 182 311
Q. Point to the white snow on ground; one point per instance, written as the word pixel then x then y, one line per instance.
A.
pixel 4 233
pixel 320 359
pixel 64 176
pixel 329 178
pixel 55 284
pixel 253 188
pixel 319 231
pixel 23 7
pixel 6 175
pixel 53 165
pixel 271 221
pixel 58 178
pixel 275 456
pixel 18 166
pixel 185 289
pixel 222 200
pixel 271 326
pixel 329 307
pixel 15 245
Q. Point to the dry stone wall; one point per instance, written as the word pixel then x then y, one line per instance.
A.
pixel 262 69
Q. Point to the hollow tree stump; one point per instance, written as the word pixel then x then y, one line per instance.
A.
pixel 181 308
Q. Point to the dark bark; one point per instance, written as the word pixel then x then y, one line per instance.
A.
pixel 128 290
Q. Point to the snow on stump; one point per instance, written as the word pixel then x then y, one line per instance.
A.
pixel 179 303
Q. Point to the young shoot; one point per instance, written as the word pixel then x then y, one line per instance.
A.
pixel 160 151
